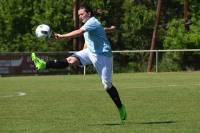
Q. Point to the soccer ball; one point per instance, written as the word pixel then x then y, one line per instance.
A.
pixel 43 31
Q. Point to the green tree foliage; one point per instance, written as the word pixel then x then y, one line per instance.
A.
pixel 137 25
pixel 177 38
pixel 19 18
pixel 134 20
pixel 135 30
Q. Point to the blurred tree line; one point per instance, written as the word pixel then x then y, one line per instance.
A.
pixel 134 20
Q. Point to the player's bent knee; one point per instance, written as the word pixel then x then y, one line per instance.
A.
pixel 106 85
pixel 72 60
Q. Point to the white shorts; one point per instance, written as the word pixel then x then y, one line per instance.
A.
pixel 102 64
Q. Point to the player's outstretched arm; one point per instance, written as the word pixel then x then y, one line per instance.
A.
pixel 69 35
pixel 110 29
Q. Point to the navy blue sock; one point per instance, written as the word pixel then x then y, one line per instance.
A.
pixel 114 96
pixel 57 64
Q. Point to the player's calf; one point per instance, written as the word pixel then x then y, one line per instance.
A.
pixel 116 99
pixel 56 64
pixel 40 64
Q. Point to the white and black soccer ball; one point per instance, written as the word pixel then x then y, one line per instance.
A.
pixel 43 31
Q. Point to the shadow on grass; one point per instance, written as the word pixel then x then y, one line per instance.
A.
pixel 106 124
pixel 158 122
pixel 132 123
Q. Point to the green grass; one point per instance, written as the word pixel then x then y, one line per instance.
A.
pixel 156 103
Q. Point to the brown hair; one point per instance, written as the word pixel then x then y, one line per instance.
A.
pixel 87 9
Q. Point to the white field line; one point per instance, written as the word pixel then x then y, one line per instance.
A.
pixel 19 94
pixel 99 89
pixel 140 87
pixel 173 85
pixel 170 85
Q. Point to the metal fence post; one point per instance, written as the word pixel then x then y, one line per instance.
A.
pixel 156 61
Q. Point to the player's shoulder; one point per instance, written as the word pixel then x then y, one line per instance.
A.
pixel 91 24
pixel 93 20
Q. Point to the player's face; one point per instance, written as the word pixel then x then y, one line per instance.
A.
pixel 83 15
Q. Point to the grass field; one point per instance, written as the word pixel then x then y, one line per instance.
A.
pixel 156 103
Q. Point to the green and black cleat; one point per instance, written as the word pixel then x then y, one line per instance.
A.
pixel 39 63
pixel 122 113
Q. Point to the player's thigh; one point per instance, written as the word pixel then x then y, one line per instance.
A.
pixel 83 56
pixel 103 66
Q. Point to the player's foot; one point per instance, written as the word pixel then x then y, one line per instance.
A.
pixel 39 63
pixel 122 113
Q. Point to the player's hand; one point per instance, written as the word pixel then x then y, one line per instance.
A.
pixel 113 28
pixel 57 36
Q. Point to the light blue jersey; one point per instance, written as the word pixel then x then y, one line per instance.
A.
pixel 95 37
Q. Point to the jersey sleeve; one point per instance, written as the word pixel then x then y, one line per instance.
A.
pixel 90 25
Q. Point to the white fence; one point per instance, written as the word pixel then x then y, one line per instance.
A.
pixel 20 62
pixel 155 51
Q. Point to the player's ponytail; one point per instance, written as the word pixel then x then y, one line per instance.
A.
pixel 98 12
pixel 87 9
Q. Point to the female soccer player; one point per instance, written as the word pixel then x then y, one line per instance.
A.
pixel 98 53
